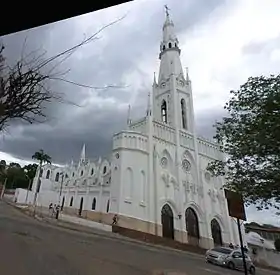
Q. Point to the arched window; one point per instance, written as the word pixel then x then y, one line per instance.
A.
pixel 48 174
pixel 93 206
pixel 163 48
pixel 164 111
pixel 92 171
pixel 183 113
pixel 169 45
pixel 176 45
pixel 104 170
pixel 71 202
pixel 108 206
pixel 57 176
pixel 41 173
pixel 128 183
pixel 82 172
pixel 73 174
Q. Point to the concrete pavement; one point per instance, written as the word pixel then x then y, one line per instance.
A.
pixel 28 246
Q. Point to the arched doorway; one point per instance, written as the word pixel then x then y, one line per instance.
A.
pixel 62 204
pixel 216 233
pixel 192 226
pixel 167 222
pixel 81 206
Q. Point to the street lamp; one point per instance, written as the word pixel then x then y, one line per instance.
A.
pixel 60 192
pixel 29 185
pixel 38 185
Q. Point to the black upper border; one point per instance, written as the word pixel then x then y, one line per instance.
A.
pixel 15 17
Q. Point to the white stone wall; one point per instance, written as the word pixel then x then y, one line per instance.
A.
pixel 129 175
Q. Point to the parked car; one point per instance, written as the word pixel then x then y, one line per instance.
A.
pixel 231 258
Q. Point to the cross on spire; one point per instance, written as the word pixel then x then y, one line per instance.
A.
pixel 166 10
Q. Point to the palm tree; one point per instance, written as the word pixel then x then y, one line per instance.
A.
pixel 42 158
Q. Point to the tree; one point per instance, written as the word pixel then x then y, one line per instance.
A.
pixel 25 88
pixel 277 244
pixel 16 177
pixel 3 166
pixel 30 170
pixel 3 171
pixel 41 157
pixel 250 137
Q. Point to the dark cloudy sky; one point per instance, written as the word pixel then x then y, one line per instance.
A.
pixel 223 42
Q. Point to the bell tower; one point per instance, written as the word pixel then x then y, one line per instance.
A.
pixel 172 96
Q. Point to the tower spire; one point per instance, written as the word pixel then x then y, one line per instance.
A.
pixel 83 153
pixel 149 105
pixel 187 74
pixel 155 81
pixel 169 50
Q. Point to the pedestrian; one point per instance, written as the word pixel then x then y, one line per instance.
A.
pixel 115 219
pixel 231 246
pixel 53 210
pixel 57 211
pixel 245 249
pixel 50 208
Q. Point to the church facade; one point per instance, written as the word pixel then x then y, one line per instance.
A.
pixel 155 179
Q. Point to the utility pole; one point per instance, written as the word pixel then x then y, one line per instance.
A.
pixel 242 247
pixel 27 193
pixel 37 190
pixel 29 184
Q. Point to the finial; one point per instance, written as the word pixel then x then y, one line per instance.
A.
pixel 166 10
pixel 155 78
pixel 149 107
pixel 128 116
pixel 187 74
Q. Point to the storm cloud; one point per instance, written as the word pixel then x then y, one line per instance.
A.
pixel 217 46
pixel 112 59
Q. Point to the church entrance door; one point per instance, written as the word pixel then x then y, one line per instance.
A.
pixel 192 227
pixel 216 233
pixel 167 222
pixel 81 206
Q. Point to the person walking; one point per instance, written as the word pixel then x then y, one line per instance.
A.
pixel 50 208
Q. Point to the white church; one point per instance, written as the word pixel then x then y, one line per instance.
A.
pixel 155 179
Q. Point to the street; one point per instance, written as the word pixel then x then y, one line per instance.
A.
pixel 31 247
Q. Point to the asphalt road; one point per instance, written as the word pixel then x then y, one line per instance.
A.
pixel 31 247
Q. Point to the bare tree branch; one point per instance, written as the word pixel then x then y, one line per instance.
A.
pixel 24 90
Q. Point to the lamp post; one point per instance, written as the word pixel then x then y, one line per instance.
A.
pixel 60 192
pixel 38 185
pixel 29 184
